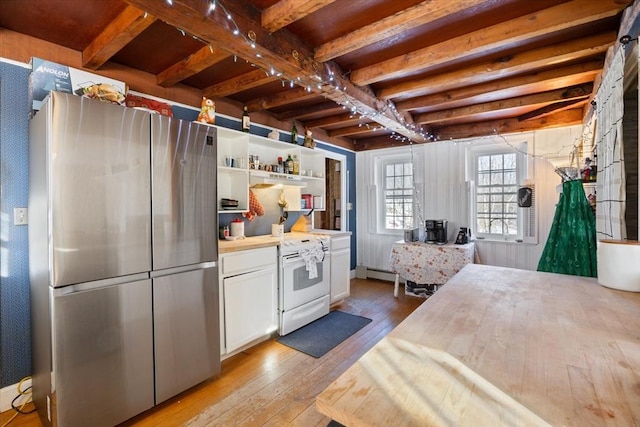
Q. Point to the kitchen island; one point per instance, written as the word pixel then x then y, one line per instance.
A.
pixel 500 346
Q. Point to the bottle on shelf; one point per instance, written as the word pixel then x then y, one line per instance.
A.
pixel 246 120
pixel 280 165
pixel 296 165
pixel 289 167
pixel 294 133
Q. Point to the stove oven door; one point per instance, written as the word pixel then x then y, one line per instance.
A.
pixel 302 299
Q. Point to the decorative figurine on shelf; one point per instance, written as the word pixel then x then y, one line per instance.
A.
pixel 207 111
pixel 308 139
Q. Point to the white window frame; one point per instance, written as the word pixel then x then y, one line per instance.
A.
pixel 522 166
pixel 381 163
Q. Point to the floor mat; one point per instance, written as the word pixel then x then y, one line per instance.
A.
pixel 320 336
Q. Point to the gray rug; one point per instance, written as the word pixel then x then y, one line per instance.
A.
pixel 320 336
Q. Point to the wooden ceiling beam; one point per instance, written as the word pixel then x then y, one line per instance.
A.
pixel 333 120
pixel 281 51
pixel 124 28
pixel 553 109
pixel 558 95
pixel 310 111
pixel 520 63
pixel 511 125
pixel 285 12
pixel 240 83
pixel 290 96
pixel 204 58
pixel 380 142
pixel 494 38
pixel 420 14
pixel 354 130
pixel 506 88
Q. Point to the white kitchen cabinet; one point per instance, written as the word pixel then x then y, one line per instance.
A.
pixel 233 173
pixel 236 175
pixel 340 267
pixel 249 296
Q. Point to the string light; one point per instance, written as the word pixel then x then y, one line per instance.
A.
pixel 215 5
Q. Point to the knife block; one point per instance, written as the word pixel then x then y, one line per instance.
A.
pixel 302 224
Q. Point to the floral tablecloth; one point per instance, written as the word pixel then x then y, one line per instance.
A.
pixel 426 263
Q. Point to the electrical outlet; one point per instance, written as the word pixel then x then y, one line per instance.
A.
pixel 19 216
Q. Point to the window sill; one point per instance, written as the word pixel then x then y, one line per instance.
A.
pixel 504 242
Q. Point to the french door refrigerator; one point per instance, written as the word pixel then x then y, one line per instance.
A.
pixel 123 260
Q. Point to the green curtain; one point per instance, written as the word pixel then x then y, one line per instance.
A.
pixel 571 246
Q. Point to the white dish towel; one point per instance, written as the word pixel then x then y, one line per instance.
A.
pixel 311 257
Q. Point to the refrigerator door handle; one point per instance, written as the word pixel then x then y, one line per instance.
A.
pixel 87 286
pixel 183 269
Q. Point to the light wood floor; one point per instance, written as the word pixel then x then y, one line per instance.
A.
pixel 271 384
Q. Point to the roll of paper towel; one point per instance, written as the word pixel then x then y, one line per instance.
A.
pixel 619 264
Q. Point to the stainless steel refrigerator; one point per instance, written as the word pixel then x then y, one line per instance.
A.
pixel 123 259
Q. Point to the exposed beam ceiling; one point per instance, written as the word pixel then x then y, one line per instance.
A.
pixel 359 73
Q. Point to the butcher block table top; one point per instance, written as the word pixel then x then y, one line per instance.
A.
pixel 501 347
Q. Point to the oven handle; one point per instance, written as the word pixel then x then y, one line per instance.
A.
pixel 291 258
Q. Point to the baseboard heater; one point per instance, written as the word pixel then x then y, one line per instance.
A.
pixel 363 272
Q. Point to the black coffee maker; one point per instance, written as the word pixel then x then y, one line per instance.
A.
pixel 436 231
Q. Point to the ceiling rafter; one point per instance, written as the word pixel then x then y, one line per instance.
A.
pixel 310 111
pixel 127 26
pixel 254 78
pixel 273 50
pixel 286 12
pixel 509 125
pixel 354 130
pixel 517 30
pixel 537 99
pixel 506 88
pixel 296 94
pixel 553 109
pixel 333 120
pixel 202 59
pixel 504 67
pixel 420 14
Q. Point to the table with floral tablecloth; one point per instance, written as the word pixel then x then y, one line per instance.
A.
pixel 427 263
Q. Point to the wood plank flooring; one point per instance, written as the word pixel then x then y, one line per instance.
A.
pixel 271 384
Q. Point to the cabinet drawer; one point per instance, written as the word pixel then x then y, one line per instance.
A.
pixel 249 260
pixel 342 242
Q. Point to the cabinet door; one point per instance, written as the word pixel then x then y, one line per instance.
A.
pixel 250 307
pixel 340 274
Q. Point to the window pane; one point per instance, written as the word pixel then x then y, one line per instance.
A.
pixel 484 179
pixel 496 162
pixel 483 163
pixel 496 179
pixel 510 161
pixel 398 195
pixel 510 178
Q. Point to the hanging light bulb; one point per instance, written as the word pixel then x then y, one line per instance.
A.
pixel 212 6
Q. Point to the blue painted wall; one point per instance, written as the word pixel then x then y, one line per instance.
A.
pixel 15 337
pixel 15 329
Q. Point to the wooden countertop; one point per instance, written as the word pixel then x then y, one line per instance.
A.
pixel 501 347
pixel 256 242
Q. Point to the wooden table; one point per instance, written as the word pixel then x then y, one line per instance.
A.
pixel 501 347
pixel 427 263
